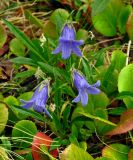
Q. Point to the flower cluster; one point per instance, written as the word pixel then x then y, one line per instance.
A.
pixel 67 45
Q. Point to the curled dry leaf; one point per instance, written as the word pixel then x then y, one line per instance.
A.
pixel 125 124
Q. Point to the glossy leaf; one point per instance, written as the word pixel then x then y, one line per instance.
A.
pixel 125 124
pixel 82 34
pixel 17 47
pixel 23 133
pixel 73 152
pixel 106 21
pixel 119 58
pixel 116 151
pixel 59 18
pixel 123 17
pixel 50 30
pixel 125 80
pixel 98 6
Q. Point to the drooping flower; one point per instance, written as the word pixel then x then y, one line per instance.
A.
pixel 38 100
pixel 67 43
pixel 84 88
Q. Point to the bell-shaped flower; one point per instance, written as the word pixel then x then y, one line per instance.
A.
pixel 67 43
pixel 84 88
pixel 38 100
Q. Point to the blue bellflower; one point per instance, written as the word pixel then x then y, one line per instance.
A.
pixel 38 100
pixel 68 44
pixel 84 88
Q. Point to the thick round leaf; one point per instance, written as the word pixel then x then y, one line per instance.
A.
pixel 17 47
pixel 98 6
pixel 49 30
pixel 123 17
pixel 119 58
pixel 125 124
pixel 129 26
pixel 116 152
pixel 3 116
pixel 81 34
pixel 125 83
pixel 23 133
pixel 3 154
pixel 3 36
pixel 106 21
pixel 72 152
pixel 59 17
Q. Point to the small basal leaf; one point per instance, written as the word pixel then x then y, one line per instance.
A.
pixel 82 34
pixel 72 152
pixel 119 58
pixel 17 47
pixel 116 152
pixel 23 133
pixel 123 17
pixel 125 83
pixel 105 22
pixel 50 30
pixel 59 18
pixel 98 6
pixel 125 124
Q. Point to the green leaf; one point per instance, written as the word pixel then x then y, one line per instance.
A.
pixel 3 154
pixel 102 158
pixel 23 60
pixel 23 133
pixel 25 74
pixel 129 26
pixel 17 47
pixel 125 80
pixel 116 152
pixel 33 19
pixel 59 18
pixel 54 70
pixel 26 96
pixel 106 21
pixel 24 39
pixel 123 17
pixel 72 152
pixel 5 142
pixel 50 30
pixel 97 118
pixel 82 34
pixel 98 6
pixel 28 113
pixel 3 36
pixel 86 69
pixel 119 58
pixel 3 117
